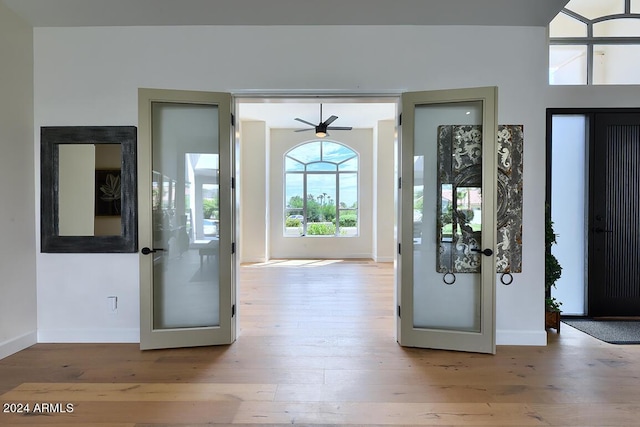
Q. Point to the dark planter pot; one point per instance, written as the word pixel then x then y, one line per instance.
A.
pixel 552 320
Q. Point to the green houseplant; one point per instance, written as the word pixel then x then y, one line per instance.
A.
pixel 552 272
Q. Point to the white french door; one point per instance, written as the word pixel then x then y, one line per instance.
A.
pixel 447 220
pixel 185 201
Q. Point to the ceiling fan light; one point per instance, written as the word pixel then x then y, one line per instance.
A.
pixel 321 131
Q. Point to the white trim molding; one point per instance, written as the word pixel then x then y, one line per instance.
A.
pixel 511 337
pixel 9 347
pixel 131 335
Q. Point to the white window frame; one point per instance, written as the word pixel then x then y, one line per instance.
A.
pixel 305 173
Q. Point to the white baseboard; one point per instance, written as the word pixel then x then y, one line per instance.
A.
pixel 7 348
pixel 89 336
pixel 511 337
pixel 384 259
pixel 14 345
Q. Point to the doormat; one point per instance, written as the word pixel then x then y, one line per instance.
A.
pixel 611 331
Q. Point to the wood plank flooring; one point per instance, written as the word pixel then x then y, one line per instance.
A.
pixel 316 347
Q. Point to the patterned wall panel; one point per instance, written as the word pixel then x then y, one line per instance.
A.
pixel 460 197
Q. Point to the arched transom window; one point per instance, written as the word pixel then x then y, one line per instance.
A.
pixel 595 42
pixel 321 190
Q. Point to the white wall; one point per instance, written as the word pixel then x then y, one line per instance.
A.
pixel 90 76
pixel 17 211
pixel 384 248
pixel 254 189
pixel 593 96
pixel 378 240
pixel 361 246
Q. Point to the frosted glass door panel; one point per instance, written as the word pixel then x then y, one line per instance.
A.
pixel 447 208
pixel 568 201
pixel 185 216
pixel 447 200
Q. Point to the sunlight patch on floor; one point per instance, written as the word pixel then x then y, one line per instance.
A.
pixel 295 263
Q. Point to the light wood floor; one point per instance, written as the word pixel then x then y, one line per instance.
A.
pixel 316 347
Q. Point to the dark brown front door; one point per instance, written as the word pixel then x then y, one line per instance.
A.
pixel 614 215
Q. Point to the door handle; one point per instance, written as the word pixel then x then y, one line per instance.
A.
pixel 485 252
pixel 601 230
pixel 147 251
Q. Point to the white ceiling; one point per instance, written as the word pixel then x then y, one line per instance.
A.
pixel 77 13
pixel 282 113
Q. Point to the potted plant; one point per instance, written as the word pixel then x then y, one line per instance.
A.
pixel 552 272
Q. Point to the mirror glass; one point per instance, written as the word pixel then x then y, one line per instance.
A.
pixel 88 189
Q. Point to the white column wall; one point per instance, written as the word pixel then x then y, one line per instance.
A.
pixel 253 191
pixel 90 76
pixel 17 204
pixel 384 196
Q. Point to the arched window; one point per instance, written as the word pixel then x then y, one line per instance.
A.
pixel 595 42
pixel 321 190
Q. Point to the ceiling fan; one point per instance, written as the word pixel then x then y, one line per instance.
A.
pixel 322 127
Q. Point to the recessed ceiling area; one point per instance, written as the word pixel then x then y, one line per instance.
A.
pixel 282 113
pixel 81 13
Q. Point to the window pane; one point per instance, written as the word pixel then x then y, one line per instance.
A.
pixel 332 152
pixel 348 204
pixel 321 166
pixel 617 28
pixel 567 65
pixel 635 6
pixel 350 165
pixel 565 26
pixel 293 204
pixel 312 199
pixel 306 153
pixel 569 172
pixel 292 165
pixel 596 8
pixel 321 204
pixel 616 64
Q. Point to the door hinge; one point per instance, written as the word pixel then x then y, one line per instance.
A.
pixel 233 310
pixel 399 312
pixel 233 120
pixel 399 183
pixel 233 248
pixel 400 120
pixel 233 183
pixel 399 249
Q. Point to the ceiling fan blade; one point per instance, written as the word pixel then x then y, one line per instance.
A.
pixel 302 130
pixel 340 128
pixel 304 121
pixel 330 120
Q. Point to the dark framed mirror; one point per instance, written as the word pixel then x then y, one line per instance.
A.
pixel 88 189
